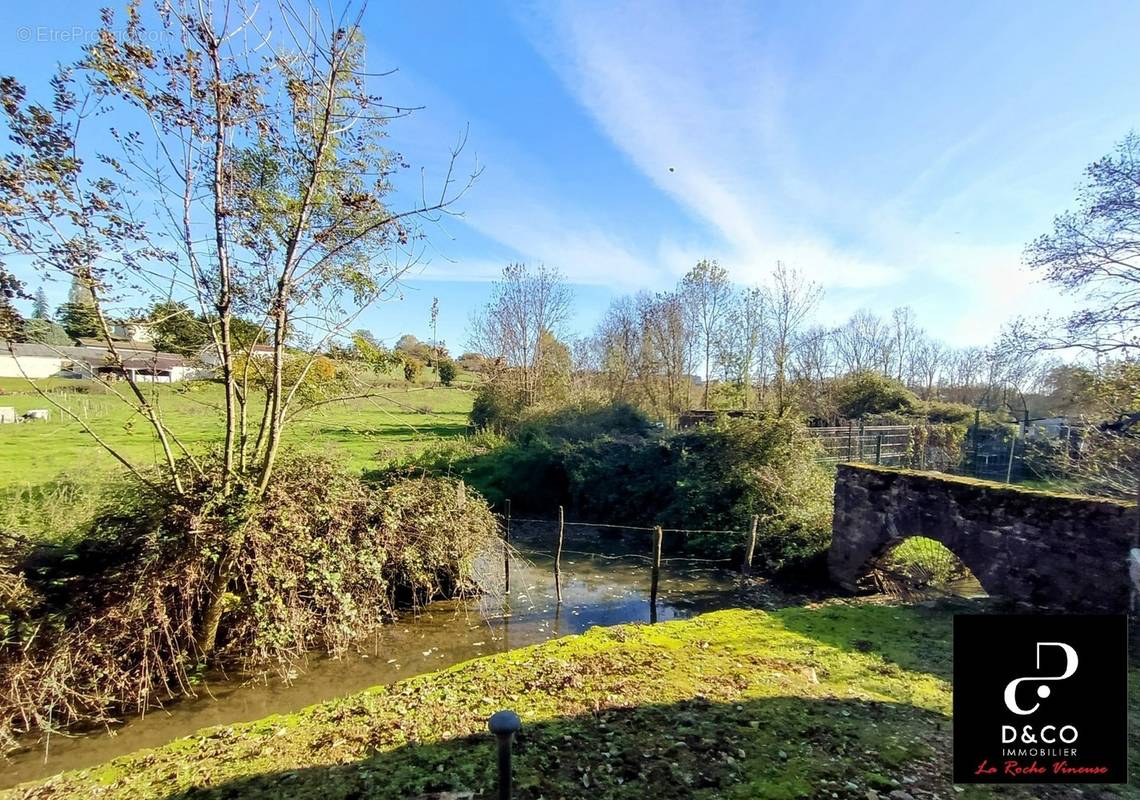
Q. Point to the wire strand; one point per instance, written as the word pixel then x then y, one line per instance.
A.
pixel 646 558
pixel 624 527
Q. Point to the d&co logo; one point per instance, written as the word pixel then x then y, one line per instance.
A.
pixel 1040 699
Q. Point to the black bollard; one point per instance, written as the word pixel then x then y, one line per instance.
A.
pixel 504 724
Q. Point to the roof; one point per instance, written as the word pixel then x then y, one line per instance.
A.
pixel 155 362
pixel 97 355
pixel 120 344
pixel 47 350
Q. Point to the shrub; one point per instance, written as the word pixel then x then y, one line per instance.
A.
pixel 867 392
pixel 937 411
pixel 447 371
pixel 575 424
pixel 496 407
pixel 107 624
pixel 412 367
pixel 610 464
pixel 936 445
pixel 319 378
pixel 726 473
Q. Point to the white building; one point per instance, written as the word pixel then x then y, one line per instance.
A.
pixel 210 356
pixel 133 331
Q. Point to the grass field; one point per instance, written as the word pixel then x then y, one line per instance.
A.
pixel 842 700
pixel 50 471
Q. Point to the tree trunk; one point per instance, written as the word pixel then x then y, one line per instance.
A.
pixel 206 636
pixel 707 358
pixel 225 296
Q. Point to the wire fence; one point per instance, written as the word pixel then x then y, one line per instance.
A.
pixel 629 527
pixel 654 557
pixel 877 444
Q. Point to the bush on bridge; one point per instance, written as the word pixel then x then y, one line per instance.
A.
pixel 611 464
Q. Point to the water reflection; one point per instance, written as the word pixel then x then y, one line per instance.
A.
pixel 596 591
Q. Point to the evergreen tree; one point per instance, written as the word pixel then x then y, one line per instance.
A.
pixel 176 329
pixel 44 331
pixel 80 293
pixel 40 305
pixel 11 323
pixel 78 319
pixel 78 316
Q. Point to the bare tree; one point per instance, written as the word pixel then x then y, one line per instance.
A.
pixel 525 305
pixel 967 376
pixel 1015 373
pixel 707 294
pixel 930 357
pixel 814 364
pixel 585 363
pixel 744 339
pixel 791 299
pixel 865 342
pixel 261 154
pixel 1094 253
pixel 667 357
pixel 904 333
pixel 618 339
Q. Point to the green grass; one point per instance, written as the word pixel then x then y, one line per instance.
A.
pixel 840 700
pixel 52 472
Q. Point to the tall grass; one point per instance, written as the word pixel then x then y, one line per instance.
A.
pixel 51 512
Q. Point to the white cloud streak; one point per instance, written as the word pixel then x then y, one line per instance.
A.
pixel 698 99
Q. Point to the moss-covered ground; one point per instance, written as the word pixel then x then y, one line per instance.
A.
pixel 839 700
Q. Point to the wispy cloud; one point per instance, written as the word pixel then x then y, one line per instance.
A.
pixel 706 104
pixel 892 172
pixel 696 103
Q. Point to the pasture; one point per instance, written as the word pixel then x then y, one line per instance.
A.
pixel 52 473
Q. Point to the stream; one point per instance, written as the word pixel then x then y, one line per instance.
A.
pixel 597 590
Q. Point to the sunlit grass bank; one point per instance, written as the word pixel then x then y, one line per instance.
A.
pixel 840 700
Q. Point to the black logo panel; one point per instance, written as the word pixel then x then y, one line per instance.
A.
pixel 1040 699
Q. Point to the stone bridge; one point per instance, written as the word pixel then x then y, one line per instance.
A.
pixel 1050 551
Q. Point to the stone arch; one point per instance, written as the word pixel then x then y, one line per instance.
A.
pixel 937 567
pixel 1045 550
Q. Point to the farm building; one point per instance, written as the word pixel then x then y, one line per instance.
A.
pixel 90 359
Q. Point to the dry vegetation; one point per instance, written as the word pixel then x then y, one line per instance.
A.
pixel 108 625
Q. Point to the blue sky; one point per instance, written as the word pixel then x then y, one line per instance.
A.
pixel 898 153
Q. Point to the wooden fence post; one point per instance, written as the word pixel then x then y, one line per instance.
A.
pixel 507 553
pixel 558 556
pixel 746 567
pixel 656 569
pixel 1009 464
pixel 977 425
pixel 850 440
pixel 879 449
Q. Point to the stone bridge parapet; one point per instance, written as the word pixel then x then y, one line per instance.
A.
pixel 1051 551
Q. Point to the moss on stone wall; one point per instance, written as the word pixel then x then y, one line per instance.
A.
pixel 965 480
